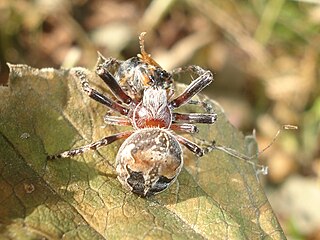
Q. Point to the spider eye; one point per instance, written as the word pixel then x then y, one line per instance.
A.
pixel 164 74
pixel 162 78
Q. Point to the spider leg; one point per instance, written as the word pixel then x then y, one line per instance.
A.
pixel 194 117
pixel 104 73
pixel 190 145
pixel 199 71
pixel 202 103
pixel 109 63
pixel 116 120
pixel 210 146
pixel 197 85
pixel 184 127
pixel 191 69
pixel 92 146
pixel 99 97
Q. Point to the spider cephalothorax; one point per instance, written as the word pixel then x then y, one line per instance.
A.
pixel 150 158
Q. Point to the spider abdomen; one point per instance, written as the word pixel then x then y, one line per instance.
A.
pixel 149 161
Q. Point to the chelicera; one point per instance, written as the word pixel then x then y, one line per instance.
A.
pixel 150 159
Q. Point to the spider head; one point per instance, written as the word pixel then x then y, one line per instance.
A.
pixel 153 110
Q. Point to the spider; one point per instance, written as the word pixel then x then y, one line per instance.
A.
pixel 150 158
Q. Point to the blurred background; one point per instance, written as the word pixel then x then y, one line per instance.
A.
pixel 265 55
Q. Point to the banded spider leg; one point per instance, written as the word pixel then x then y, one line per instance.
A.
pixel 99 97
pixel 205 77
pixel 104 72
pixel 193 69
pixel 105 100
pixel 92 146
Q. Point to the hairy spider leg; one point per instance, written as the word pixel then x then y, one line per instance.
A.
pixel 191 68
pixel 204 79
pixel 198 71
pixel 117 120
pixel 99 97
pixel 190 145
pixel 194 117
pixel 184 127
pixel 104 73
pixel 210 146
pixel 92 146
pixel 122 121
pixel 202 103
pixel 195 87
pixel 109 63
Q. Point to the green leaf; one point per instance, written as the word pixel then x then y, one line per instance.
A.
pixel 44 111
